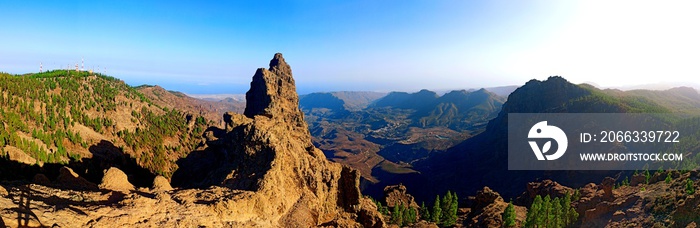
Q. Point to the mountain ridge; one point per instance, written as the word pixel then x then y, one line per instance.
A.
pixel 486 153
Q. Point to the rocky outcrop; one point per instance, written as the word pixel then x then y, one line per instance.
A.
pixel 637 179
pixel 161 184
pixel 267 154
pixel 397 195
pixel 15 154
pixel 608 184
pixel 273 94
pixel 485 197
pixel 69 179
pixel 368 215
pixel 116 180
pixel 488 207
pixel 544 188
pixel 687 211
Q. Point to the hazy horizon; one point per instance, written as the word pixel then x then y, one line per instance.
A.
pixel 214 48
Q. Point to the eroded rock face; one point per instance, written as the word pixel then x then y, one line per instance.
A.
pixel 268 153
pixel 273 94
pixel 485 197
pixel 396 194
pixel 544 188
pixel 488 209
pixel 637 179
pixel 608 184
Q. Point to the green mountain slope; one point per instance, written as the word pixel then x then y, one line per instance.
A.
pixel 68 117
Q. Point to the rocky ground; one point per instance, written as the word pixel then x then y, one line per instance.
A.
pixel 639 204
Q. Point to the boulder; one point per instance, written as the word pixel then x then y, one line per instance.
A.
pixel 116 180
pixel 161 184
pixel 68 178
pixel 368 215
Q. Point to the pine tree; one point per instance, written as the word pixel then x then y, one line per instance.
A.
pixel 668 178
pixel 545 212
pixel 533 213
pixel 424 212
pixel 572 216
pixel 647 176
pixel 509 216
pixel 381 208
pixel 689 188
pixel 566 205
pixel 396 217
pixel 556 217
pixel 409 216
pixel 445 205
pixel 453 210
pixel 437 211
pixel 449 209
pixel 551 213
pixel 405 215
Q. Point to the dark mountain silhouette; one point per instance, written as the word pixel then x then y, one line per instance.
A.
pixel 457 110
pixel 405 100
pixel 322 100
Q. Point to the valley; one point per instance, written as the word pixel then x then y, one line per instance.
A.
pixel 393 131
pixel 59 137
pixel 410 114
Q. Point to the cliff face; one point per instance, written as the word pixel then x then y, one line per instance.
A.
pixel 268 152
pixel 261 170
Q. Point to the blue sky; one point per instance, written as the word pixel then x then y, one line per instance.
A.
pixel 203 47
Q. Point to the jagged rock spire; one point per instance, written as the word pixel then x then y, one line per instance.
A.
pixel 273 94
